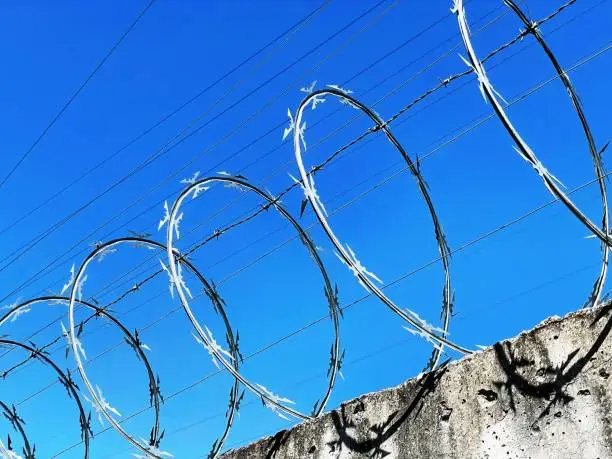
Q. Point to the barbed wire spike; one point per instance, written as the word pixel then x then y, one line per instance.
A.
pixel 277 399
pixel 86 426
pixel 154 440
pixel 340 361
pixel 212 346
pixel 79 287
pixel 165 218
pixel 152 451
pixel 12 305
pixel 291 126
pixel 69 340
pixel 213 450
pixel 435 344
pixel 170 278
pixel 310 88
pixel 357 267
pixel 6 452
pixel 70 281
pixel 338 88
pixel 139 235
pixel 19 312
pixel 234 345
pixel 316 100
pixel 298 126
pixel 68 383
pixel 190 180
pixel 102 405
pixel 303 207
pixel 199 189
pixel 104 253
pixel 300 130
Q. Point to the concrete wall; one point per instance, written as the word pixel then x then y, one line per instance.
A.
pixel 544 394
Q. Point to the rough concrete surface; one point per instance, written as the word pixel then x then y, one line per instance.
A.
pixel 543 394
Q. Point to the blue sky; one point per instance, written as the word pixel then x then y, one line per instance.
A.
pixel 388 54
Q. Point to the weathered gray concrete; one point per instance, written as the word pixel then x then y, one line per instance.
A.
pixel 544 394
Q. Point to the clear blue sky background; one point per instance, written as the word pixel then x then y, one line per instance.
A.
pixel 504 284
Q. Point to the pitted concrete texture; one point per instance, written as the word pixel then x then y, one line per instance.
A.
pixel 543 394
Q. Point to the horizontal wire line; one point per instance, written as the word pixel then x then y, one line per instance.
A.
pixel 76 94
pixel 178 140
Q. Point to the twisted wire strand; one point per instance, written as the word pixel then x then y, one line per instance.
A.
pixel 340 30
pixel 389 94
pixel 549 17
pixel 332 298
pixel 350 144
pixel 359 300
pixel 523 148
pixel 257 211
pixel 426 94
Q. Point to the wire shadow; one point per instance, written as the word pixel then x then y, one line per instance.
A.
pixel 557 378
pixel 385 430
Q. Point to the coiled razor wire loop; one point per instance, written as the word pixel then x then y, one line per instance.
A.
pixel 131 338
pixel 523 148
pixel 269 399
pixel 67 382
pixel 17 422
pixel 152 449
pixel 532 27
pixel 346 254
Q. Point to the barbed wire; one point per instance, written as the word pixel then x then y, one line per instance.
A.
pixel 229 359
pixel 285 36
pixel 17 423
pixel 359 300
pixel 585 59
pixel 73 337
pixel 273 129
pixel 389 94
pixel 180 138
pixel 343 148
pixel 257 211
pixel 550 181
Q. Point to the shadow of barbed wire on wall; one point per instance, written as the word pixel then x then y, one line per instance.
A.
pixel 549 382
pixel 373 446
pixel 276 442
